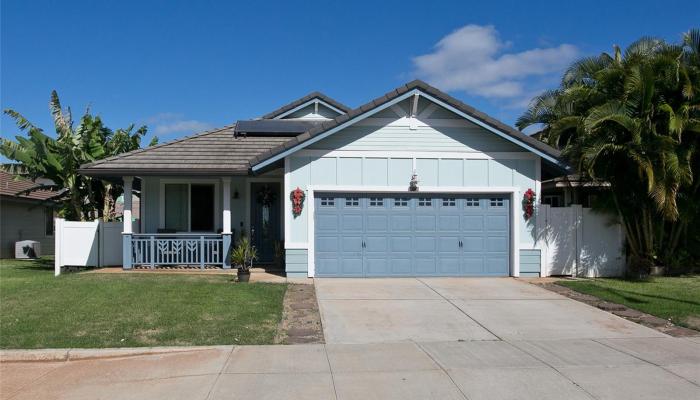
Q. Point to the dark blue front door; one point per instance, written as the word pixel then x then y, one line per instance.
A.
pixel 411 234
pixel 265 219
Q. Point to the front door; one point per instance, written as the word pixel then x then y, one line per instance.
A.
pixel 265 218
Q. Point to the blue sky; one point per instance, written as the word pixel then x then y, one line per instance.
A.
pixel 184 66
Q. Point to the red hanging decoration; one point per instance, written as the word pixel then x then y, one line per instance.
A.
pixel 529 203
pixel 297 196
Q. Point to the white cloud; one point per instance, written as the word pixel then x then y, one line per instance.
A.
pixel 167 123
pixel 475 60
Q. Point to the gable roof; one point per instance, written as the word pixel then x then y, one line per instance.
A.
pixel 218 151
pixel 416 87
pixel 10 185
pixel 309 98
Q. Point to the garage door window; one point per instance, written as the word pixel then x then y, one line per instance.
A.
pixel 497 202
pixel 401 202
pixel 425 202
pixel 449 202
pixel 471 202
pixel 352 202
pixel 376 202
pixel 327 201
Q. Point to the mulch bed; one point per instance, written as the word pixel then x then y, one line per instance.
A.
pixel 301 321
pixel 623 311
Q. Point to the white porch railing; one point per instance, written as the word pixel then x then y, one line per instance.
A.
pixel 152 249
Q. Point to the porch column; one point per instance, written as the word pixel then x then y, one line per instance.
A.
pixel 226 222
pixel 126 231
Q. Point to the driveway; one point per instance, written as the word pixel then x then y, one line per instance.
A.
pixel 449 309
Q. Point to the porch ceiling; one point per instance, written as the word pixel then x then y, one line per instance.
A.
pixel 216 152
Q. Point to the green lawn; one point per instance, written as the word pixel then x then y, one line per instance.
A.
pixel 675 298
pixel 121 310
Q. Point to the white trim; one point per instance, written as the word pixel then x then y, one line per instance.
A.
pixel 296 245
pixel 287 208
pixel 405 121
pixel 126 210
pixel 308 103
pixel 226 206
pixel 510 190
pixel 519 155
pixel 142 206
pixel 189 183
pixel 398 99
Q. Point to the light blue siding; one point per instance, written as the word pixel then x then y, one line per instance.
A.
pixel 500 173
pixel 427 170
pixel 296 263
pixel 323 171
pixel 400 170
pixel 476 173
pixel 350 171
pixel 375 171
pixel 450 172
pixel 530 260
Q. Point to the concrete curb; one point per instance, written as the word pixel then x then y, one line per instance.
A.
pixel 59 355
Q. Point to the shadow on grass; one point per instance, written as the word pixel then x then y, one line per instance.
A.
pixel 627 295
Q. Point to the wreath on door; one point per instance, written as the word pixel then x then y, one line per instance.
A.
pixel 266 196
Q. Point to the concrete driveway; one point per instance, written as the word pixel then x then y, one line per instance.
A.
pixel 448 309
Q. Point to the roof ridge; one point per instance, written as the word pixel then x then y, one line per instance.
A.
pixel 132 152
pixel 315 94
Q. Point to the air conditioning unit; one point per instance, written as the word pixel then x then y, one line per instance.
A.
pixel 26 249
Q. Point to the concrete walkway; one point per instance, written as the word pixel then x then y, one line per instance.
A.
pixel 649 368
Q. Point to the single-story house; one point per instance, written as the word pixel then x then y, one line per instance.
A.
pixel 24 215
pixel 412 183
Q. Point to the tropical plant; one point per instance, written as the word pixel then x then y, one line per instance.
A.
pixel 42 156
pixel 243 255
pixel 632 119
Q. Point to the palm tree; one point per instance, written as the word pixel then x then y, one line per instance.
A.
pixel 632 119
pixel 58 159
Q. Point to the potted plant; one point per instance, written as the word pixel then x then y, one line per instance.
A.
pixel 242 256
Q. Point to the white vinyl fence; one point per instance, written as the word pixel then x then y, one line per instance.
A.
pixel 579 242
pixel 87 244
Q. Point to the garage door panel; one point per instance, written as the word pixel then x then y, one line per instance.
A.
pixel 473 265
pixel 412 235
pixel 425 244
pixel 473 223
pixel 424 265
pixel 473 244
pixel 377 223
pixel 376 244
pixel 353 223
pixel 352 266
pixel 448 265
pixel 328 223
pixel 327 244
pixel 402 223
pixel 496 265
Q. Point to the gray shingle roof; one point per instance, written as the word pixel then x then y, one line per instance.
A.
pixel 217 151
pixel 416 84
pixel 298 102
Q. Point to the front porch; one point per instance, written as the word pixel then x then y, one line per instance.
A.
pixel 187 223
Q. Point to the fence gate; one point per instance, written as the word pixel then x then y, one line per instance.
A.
pixel 87 244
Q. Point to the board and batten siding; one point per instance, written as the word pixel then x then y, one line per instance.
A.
pixel 383 151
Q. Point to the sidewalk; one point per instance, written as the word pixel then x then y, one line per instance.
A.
pixel 652 368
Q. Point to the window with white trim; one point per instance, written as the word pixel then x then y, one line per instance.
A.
pixel 376 202
pixel 352 201
pixel 425 202
pixel 327 201
pixel 449 202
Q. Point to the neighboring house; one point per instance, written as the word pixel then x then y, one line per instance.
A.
pixel 563 191
pixel 355 167
pixel 25 216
